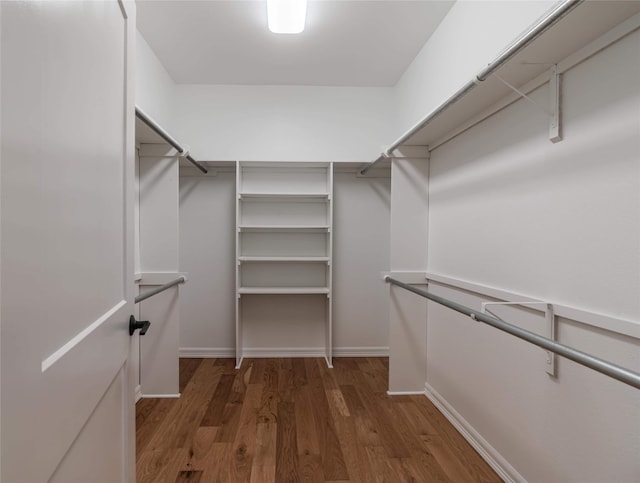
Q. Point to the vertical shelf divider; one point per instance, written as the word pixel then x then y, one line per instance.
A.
pixel 239 333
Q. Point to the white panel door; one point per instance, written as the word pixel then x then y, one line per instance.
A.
pixel 66 241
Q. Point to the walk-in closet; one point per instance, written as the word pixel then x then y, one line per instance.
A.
pixel 320 241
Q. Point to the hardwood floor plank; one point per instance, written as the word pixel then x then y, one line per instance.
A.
pixel 299 372
pixel 310 468
pixel 214 413
pixel 380 415
pixel 150 416
pixel 420 423
pixel 245 438
pixel 229 423
pixel 219 464
pixel 327 375
pixel 228 365
pixel 240 381
pixel 187 369
pixel 306 434
pixel 371 372
pixel 183 419
pixel 380 462
pixel 257 373
pixel 200 447
pixel 287 465
pixel 295 420
pixel 269 402
pixel 355 457
pixel 366 430
pixel 160 465
pixel 263 469
pixel 447 460
pixel 285 380
pixel 453 444
pixel 337 404
pixel 333 463
pixel 425 461
pixel 189 477
pixel 351 397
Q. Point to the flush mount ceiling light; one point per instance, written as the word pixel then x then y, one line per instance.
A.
pixel 286 16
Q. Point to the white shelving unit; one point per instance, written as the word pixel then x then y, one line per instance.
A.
pixel 284 220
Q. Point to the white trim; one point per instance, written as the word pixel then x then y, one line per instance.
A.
pixel 410 152
pixel 361 351
pixel 268 352
pixel 406 393
pixel 611 323
pixel 80 336
pixel 264 352
pixel 164 396
pixel 138 393
pixel 488 453
pixel 207 352
pixel 413 278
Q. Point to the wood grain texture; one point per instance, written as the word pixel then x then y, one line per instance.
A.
pixel 295 420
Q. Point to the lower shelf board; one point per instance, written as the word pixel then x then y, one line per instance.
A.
pixel 283 290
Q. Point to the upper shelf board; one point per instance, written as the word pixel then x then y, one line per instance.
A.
pixel 583 25
pixel 287 196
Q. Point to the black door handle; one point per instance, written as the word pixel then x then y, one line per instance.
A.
pixel 134 324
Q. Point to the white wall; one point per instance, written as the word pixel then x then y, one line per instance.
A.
pixel 472 34
pixel 360 253
pixel 265 123
pixel 558 222
pixel 207 253
pixel 154 86
pixel 283 123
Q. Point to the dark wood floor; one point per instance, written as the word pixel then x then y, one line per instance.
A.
pixel 290 420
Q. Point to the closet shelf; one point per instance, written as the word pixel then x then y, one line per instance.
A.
pixel 284 218
pixel 284 228
pixel 285 196
pixel 587 27
pixel 284 259
pixel 283 290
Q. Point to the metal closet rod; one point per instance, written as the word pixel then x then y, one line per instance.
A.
pixel 140 114
pixel 607 368
pixel 520 43
pixel 156 291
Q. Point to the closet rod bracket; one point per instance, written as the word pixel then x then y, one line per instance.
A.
pixel 550 318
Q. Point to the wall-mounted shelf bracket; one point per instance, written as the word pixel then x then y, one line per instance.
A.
pixel 555 81
pixel 550 357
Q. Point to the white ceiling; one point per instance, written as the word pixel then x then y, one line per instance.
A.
pixel 345 42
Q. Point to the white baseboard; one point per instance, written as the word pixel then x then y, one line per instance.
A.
pixel 405 393
pixel 167 396
pixel 361 352
pixel 138 393
pixel 493 458
pixel 262 352
pixel 207 352
pixel 265 352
